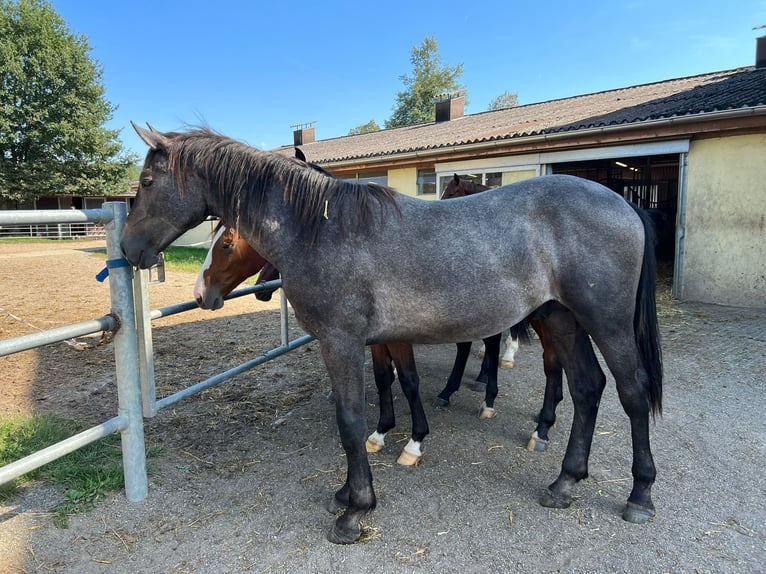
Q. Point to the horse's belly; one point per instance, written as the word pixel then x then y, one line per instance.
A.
pixel 428 321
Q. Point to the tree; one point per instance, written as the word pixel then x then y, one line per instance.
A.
pixel 415 105
pixel 53 110
pixel 371 126
pixel 504 100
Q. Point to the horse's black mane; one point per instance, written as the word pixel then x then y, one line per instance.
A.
pixel 236 171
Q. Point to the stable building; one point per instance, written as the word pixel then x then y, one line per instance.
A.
pixel 692 149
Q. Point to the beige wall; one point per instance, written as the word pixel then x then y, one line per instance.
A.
pixel 724 259
pixel 404 180
pixel 519 175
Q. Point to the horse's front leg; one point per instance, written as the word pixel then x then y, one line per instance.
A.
pixel 344 358
pixel 383 371
pixel 404 358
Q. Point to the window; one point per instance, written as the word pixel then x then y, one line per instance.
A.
pixel 426 182
pixel 490 179
pixel 379 178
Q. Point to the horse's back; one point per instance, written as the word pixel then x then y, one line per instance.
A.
pixel 491 258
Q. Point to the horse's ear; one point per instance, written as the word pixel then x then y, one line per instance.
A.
pixel 300 155
pixel 154 139
pixel 456 178
pixel 152 128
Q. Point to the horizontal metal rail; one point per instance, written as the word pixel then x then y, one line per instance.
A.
pixel 220 377
pixel 40 216
pixel 189 305
pixel 49 454
pixel 33 340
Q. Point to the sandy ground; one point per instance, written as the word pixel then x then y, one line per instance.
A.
pixel 246 467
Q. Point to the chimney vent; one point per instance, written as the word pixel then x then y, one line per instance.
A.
pixel 760 52
pixel 303 133
pixel 450 107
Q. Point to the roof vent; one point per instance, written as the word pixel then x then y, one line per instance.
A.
pixel 760 49
pixel 303 133
pixel 449 107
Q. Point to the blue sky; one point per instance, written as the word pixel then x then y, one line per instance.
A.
pixel 251 69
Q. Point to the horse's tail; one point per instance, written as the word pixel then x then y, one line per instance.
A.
pixel 520 331
pixel 645 323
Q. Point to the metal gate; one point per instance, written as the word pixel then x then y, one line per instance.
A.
pixel 130 320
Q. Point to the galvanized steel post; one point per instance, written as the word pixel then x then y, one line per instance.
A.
pixel 126 357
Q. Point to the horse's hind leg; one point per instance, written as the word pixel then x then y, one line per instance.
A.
pixel 492 346
pixel 553 388
pixel 384 378
pixel 404 358
pixel 586 384
pixel 458 368
pixel 633 389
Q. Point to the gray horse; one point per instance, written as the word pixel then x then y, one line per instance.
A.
pixel 581 258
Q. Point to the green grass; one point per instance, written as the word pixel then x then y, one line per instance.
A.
pixel 85 475
pixel 177 258
pixel 28 240
pixel 184 258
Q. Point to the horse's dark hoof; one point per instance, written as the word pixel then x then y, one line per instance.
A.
pixel 636 514
pixel 477 386
pixel 551 500
pixel 440 402
pixel 338 535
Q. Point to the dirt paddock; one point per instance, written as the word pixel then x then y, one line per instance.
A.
pixel 246 467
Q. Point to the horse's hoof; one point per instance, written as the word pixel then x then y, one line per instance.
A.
pixel 373 446
pixel 409 459
pixel 487 412
pixel 536 444
pixel 339 535
pixel 551 500
pixel 440 402
pixel 477 386
pixel 506 364
pixel 636 514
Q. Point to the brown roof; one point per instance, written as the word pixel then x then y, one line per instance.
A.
pixel 736 89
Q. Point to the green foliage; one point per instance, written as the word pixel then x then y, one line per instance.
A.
pixel 52 110
pixel 504 100
pixel 415 105
pixel 371 126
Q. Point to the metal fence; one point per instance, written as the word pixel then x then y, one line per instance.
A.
pixel 87 230
pixel 130 320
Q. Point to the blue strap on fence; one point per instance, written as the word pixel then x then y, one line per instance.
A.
pixel 111 264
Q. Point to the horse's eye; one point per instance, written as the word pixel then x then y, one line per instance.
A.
pixel 226 246
pixel 146 182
